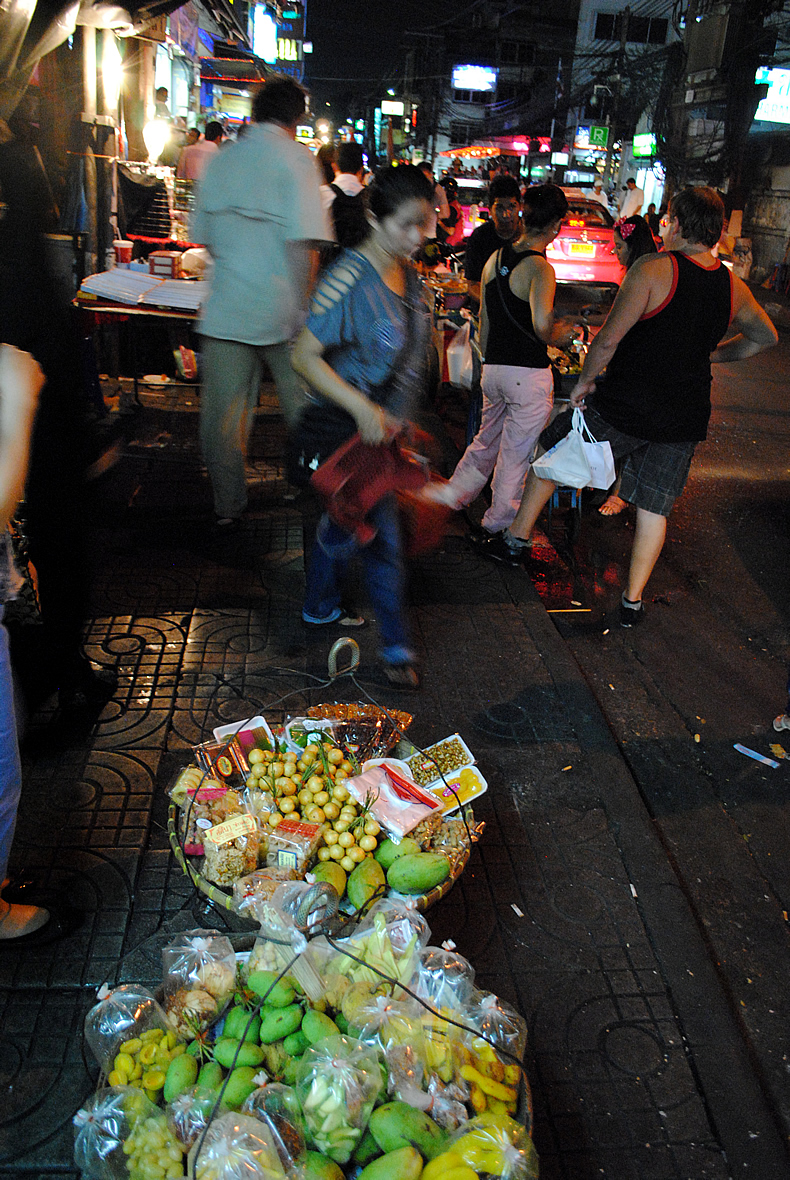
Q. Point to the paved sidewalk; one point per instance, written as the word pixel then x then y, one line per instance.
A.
pixel 569 907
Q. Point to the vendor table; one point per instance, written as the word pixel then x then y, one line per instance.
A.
pixel 136 316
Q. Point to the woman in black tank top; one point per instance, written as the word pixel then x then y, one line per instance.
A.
pixel 516 325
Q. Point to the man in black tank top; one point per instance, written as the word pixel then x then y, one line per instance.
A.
pixel 653 405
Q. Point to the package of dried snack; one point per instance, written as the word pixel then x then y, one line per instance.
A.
pixel 231 849
pixel 199 978
pixel 443 978
pixel 278 1107
pixel 293 845
pixel 235 1147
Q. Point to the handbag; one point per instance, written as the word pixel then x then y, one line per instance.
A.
pixel 566 463
pixel 322 428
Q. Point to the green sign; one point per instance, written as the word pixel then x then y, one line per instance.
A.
pixel 599 136
pixel 644 145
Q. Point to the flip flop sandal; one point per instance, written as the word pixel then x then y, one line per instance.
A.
pixel 402 676
pixel 347 621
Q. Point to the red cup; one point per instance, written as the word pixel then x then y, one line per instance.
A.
pixel 123 253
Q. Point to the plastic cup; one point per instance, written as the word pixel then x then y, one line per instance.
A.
pixel 123 252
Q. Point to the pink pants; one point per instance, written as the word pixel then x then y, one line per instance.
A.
pixel 516 407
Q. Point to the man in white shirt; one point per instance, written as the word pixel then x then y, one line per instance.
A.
pixel 259 212
pixel 197 153
pixel 596 193
pixel 632 199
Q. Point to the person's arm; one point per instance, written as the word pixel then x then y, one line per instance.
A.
pixel 374 424
pixel 630 303
pixel 755 330
pixel 539 288
pixel 304 260
pixel 488 271
pixel 474 261
pixel 441 202
pixel 21 381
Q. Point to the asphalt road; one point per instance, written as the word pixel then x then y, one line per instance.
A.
pixel 706 670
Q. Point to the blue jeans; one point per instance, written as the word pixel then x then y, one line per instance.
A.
pixel 10 766
pixel 382 559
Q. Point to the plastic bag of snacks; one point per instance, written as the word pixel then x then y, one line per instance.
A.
pixel 443 978
pixel 497 1144
pixel 493 1077
pixel 120 1018
pixel 338 1082
pixel 278 1108
pixel 189 1114
pixel 294 907
pixel 254 891
pixel 231 849
pixel 393 1027
pixel 388 940
pixel 199 979
pixel 119 1133
pixel 236 1147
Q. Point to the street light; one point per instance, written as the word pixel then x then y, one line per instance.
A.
pixel 155 136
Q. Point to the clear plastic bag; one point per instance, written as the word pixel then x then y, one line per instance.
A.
pixel 338 1082
pixel 236 1147
pixel 497 1144
pixel 499 1022
pixel 117 1131
pixel 278 1108
pixel 199 980
pixel 388 941
pixel 489 1063
pixel 393 1027
pixel 122 1015
pixel 281 943
pixel 253 892
pixel 443 978
pixel 190 1113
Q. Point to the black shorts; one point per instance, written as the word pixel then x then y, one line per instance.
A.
pixel 652 474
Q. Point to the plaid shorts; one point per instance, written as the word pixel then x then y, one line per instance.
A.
pixel 652 474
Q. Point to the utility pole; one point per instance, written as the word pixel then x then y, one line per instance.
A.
pixel 617 81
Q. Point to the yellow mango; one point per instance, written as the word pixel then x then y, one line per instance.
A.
pixel 152 1034
pixel 463 1172
pixel 147 1054
pixel 116 1077
pixel 438 1167
pixel 512 1075
pixel 154 1079
pixel 477 1099
pixel 132 1046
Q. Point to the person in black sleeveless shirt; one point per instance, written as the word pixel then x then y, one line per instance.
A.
pixel 653 404
pixel 516 324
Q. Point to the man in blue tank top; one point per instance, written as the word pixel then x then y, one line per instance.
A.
pixel 653 404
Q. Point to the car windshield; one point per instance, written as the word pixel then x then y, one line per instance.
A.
pixel 589 212
pixel 472 192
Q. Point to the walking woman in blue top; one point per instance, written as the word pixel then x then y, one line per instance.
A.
pixel 362 351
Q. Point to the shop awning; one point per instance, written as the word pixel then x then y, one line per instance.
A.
pixel 244 71
pixel 480 151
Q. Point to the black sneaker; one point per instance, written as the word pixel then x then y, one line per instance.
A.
pixel 495 547
pixel 631 616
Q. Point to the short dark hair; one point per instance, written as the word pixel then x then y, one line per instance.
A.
pixel 503 186
pixel 700 213
pixel 161 90
pixel 638 240
pixel 392 186
pixel 213 131
pixel 350 157
pixel 426 167
pixel 631 180
pixel 325 157
pixel 542 205
pixel 279 100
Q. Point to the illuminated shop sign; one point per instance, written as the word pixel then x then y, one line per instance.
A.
pixel 479 78
pixel 287 49
pixel 775 107
pixel 264 35
pixel 644 145
pixel 391 107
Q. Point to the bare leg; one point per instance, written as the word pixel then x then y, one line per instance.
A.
pixel 537 493
pixel 651 529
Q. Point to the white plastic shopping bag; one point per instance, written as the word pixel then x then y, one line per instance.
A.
pixel 566 463
pixel 599 456
pixel 460 366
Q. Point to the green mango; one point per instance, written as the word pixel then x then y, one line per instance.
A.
pixel 238 1087
pixel 396 1124
pixel 317 1025
pixel 366 1150
pixel 277 1023
pixel 388 851
pixel 210 1076
pixel 290 1073
pixel 181 1075
pixel 418 872
pixel 341 1022
pixel 239 1023
pixel 232 1053
pixel 274 994
pixel 296 1043
pixel 319 1167
pixel 366 882
pixel 330 872
pixel 403 1164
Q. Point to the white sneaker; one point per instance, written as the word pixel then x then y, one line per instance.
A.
pixel 781 722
